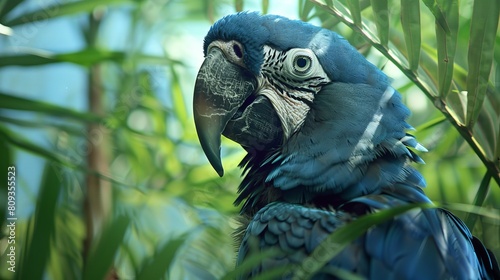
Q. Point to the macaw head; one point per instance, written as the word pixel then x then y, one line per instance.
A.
pixel 275 84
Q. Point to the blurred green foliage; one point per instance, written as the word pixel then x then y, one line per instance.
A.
pixel 171 216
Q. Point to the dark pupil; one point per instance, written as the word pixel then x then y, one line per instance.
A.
pixel 301 62
pixel 237 51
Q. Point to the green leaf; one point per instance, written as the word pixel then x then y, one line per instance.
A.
pixel 20 142
pixel 265 6
pixel 483 30
pixel 353 6
pixel 486 130
pixel 6 163
pixel 446 45
pixel 381 13
pixel 438 14
pixel 86 58
pixel 18 103
pixel 238 5
pixel 103 252
pixel 484 187
pixel 157 265
pixel 342 237
pixel 180 108
pixel 64 9
pixel 38 249
pixel 410 21
pixel 6 6
pixel 430 124
pixel 250 262
pixel 305 8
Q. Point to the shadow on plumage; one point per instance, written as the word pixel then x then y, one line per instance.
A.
pixel 327 142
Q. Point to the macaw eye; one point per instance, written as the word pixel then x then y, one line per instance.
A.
pixel 302 63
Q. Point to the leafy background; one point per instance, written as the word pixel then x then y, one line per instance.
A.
pixel 95 111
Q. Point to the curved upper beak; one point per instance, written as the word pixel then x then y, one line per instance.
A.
pixel 221 89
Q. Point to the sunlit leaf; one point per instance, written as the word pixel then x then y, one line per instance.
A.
pixel 305 8
pixel 381 14
pixel 86 57
pixel 410 21
pixel 483 30
pixel 430 124
pixel 438 14
pixel 353 6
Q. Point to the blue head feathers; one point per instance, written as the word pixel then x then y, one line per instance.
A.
pixel 340 60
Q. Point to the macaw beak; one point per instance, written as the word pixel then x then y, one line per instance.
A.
pixel 221 89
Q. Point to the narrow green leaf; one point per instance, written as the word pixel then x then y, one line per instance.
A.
pixel 25 60
pixel 381 13
pixel 86 58
pixel 483 30
pixel 33 263
pixel 410 21
pixel 487 128
pixel 63 9
pixel 343 236
pixel 103 252
pixel 265 6
pixel 69 128
pixel 353 6
pixel 438 14
pixel 66 160
pixel 20 142
pixel 446 45
pixel 180 108
pixel 484 187
pixel 6 165
pixel 157 265
pixel 238 5
pixel 305 8
pixel 6 6
pixel 250 262
pixel 430 124
pixel 23 104
pixel 473 209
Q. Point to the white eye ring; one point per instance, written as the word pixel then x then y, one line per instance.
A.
pixel 302 63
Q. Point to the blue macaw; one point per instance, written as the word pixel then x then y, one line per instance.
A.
pixel 326 139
